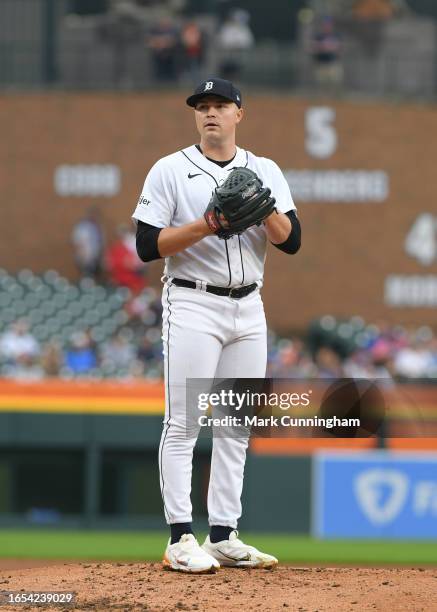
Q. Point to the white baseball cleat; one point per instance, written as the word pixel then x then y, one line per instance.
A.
pixel 235 553
pixel 187 556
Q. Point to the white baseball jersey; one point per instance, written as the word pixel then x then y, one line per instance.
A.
pixel 177 191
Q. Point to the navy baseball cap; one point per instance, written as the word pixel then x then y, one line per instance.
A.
pixel 216 87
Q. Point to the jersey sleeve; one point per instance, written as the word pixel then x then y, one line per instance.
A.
pixel 156 204
pixel 280 189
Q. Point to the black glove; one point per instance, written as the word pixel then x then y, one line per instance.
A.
pixel 240 202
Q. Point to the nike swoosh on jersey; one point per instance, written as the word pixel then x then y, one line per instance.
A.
pixel 193 175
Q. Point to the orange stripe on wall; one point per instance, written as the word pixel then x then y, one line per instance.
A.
pixel 413 443
pixel 77 388
pixel 305 446
pixel 97 397
pixel 95 405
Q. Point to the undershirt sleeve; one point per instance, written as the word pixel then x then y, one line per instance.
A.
pixel 147 241
pixel 292 244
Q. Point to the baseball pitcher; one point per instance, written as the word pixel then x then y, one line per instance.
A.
pixel 209 210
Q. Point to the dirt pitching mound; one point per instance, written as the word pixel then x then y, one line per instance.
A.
pixel 146 586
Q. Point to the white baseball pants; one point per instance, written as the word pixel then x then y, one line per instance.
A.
pixel 206 336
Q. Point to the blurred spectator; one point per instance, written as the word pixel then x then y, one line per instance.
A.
pixel 291 360
pixel 358 365
pixel 328 363
pixel 164 43
pixel 119 351
pixel 80 357
pixel 121 28
pixel 413 361
pixel 382 366
pixel 233 38
pixel 124 267
pixel 144 309
pixel 193 44
pixel 137 371
pixel 51 359
pixel 326 51
pixel 18 345
pixel 146 352
pixel 88 243
pixel 286 360
pixel 19 352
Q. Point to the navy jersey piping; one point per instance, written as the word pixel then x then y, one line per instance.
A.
pixel 205 171
pixel 241 257
pixel 215 181
pixel 239 241
pixel 229 263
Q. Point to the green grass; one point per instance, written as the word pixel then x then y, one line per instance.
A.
pixel 149 546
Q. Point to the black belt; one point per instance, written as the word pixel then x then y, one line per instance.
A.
pixel 229 292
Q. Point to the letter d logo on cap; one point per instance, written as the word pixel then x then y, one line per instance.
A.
pixel 208 85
